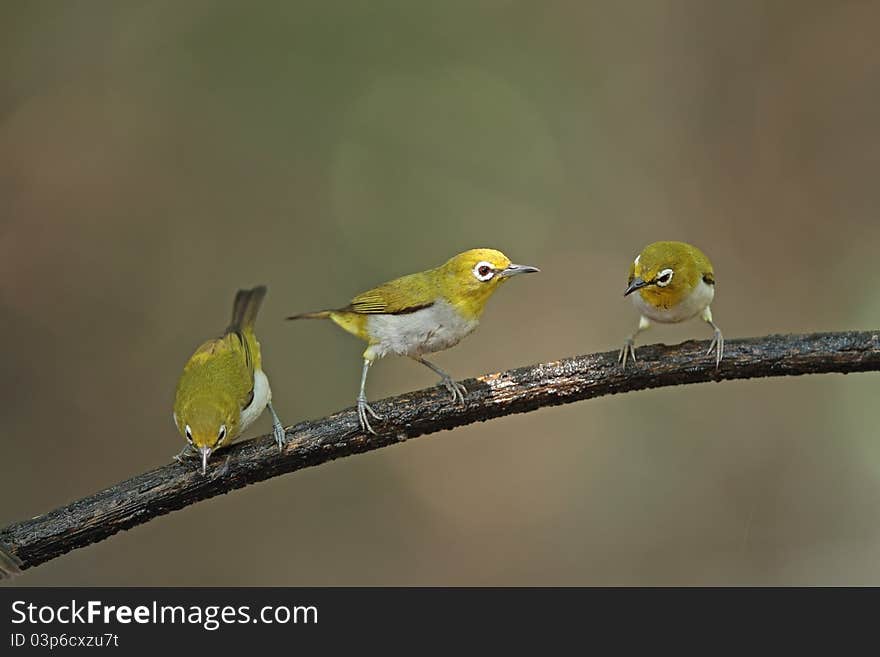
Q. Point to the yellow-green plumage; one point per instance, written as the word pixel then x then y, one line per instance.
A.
pixel 690 266
pixel 425 312
pixel 223 389
pixel 452 282
pixel 215 386
pixel 671 282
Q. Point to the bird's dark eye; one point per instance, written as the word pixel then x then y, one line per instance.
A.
pixel 664 277
pixel 483 271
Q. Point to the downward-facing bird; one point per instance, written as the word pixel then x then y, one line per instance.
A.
pixel 223 388
pixel 673 282
pixel 423 313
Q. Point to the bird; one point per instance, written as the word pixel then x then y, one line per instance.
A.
pixel 672 282
pixel 223 388
pixel 422 313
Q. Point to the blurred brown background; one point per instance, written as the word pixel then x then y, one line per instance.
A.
pixel 156 156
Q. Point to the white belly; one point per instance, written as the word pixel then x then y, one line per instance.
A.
pixel 262 396
pixel 690 307
pixel 422 332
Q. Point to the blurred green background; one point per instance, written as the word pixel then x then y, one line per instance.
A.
pixel 156 156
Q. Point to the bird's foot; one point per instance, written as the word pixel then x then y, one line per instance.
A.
pixel 628 351
pixel 222 470
pixel 718 345
pixel 278 431
pixel 457 390
pixel 364 411
pixel 186 453
pixel 279 434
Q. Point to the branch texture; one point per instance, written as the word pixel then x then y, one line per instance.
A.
pixel 173 486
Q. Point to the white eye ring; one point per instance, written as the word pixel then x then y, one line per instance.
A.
pixel 664 278
pixel 189 434
pixel 222 435
pixel 484 271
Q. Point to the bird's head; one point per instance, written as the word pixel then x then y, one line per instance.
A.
pixel 470 278
pixel 665 273
pixel 207 422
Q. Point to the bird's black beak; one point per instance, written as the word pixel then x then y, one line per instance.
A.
pixel 636 284
pixel 516 270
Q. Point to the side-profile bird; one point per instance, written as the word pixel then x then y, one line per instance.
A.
pixel 673 281
pixel 423 313
pixel 223 388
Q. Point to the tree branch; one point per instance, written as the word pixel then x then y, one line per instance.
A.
pixel 174 486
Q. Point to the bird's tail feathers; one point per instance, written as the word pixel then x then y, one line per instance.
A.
pixel 321 314
pixel 245 308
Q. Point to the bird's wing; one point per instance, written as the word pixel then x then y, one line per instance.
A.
pixel 229 358
pixel 240 344
pixel 398 297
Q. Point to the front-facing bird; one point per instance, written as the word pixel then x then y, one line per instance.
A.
pixel 423 313
pixel 671 282
pixel 223 388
